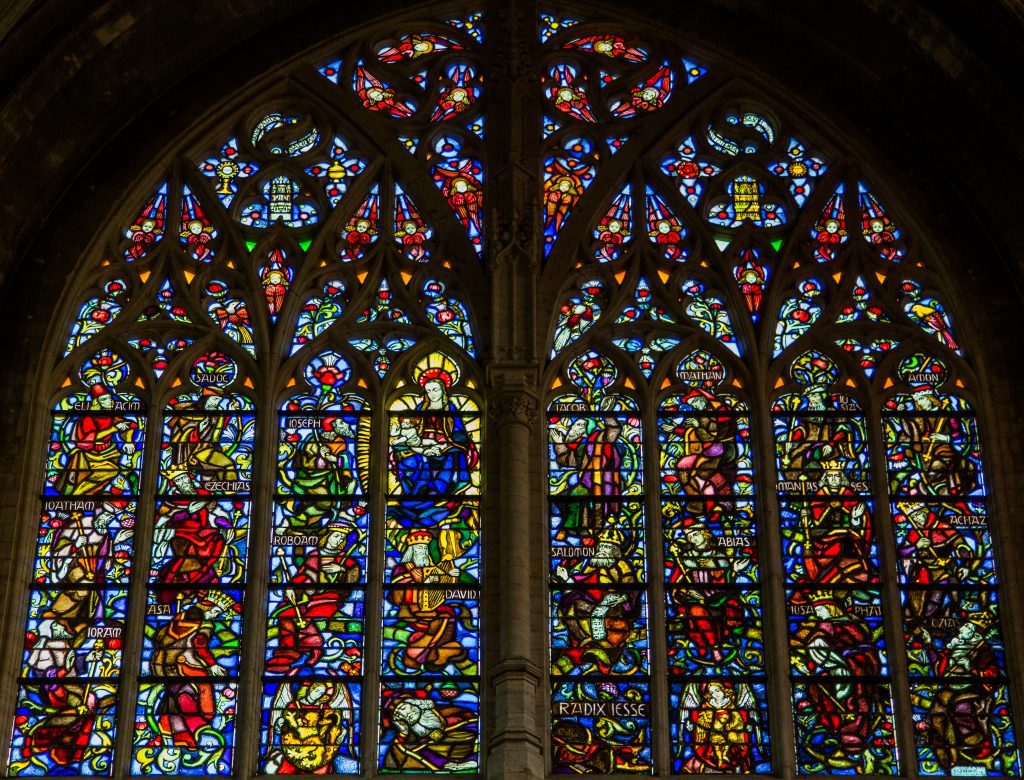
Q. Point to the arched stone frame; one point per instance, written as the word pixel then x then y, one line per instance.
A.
pixel 228 287
pixel 588 287
pixel 750 40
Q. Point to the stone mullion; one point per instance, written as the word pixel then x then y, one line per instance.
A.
pixel 138 593
pixel 997 501
pixel 513 246
pixel 515 745
pixel 657 606
pixel 892 611
pixel 21 573
pixel 781 728
pixel 373 590
pixel 254 610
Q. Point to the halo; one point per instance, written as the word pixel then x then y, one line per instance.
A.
pixel 436 366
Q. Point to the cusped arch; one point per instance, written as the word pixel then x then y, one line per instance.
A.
pixel 444 183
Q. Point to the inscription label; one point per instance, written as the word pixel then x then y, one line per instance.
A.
pixel 104 632
pixel 577 406
pixel 614 709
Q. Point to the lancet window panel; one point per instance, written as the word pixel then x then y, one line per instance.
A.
pixel 191 660
pixel 600 646
pixel 317 613
pixel 431 646
pixel 949 591
pixel 712 570
pixel 85 550
pixel 838 651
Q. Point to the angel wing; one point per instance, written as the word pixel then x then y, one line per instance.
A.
pixel 691 698
pixel 284 697
pixel 363 435
pixel 744 696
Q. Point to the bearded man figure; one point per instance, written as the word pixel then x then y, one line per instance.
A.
pixel 426 626
pixel 429 737
pixel 600 616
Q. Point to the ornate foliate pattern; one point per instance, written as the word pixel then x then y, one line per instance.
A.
pixel 578 313
pixel 797 313
pixel 318 313
pixel 99 310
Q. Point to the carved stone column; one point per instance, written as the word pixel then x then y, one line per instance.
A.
pixel 516 745
pixel 514 518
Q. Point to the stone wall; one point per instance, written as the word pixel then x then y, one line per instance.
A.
pixel 92 97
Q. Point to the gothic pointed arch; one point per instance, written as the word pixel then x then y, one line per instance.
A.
pixel 290 446
pixel 736 302
pixel 272 404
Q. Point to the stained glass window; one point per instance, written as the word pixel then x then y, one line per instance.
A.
pixel 357 599
pixel 760 454
pixel 750 283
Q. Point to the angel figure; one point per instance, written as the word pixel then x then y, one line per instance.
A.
pixel 462 189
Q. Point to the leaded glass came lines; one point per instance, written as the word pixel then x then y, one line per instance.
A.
pixel 760 458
